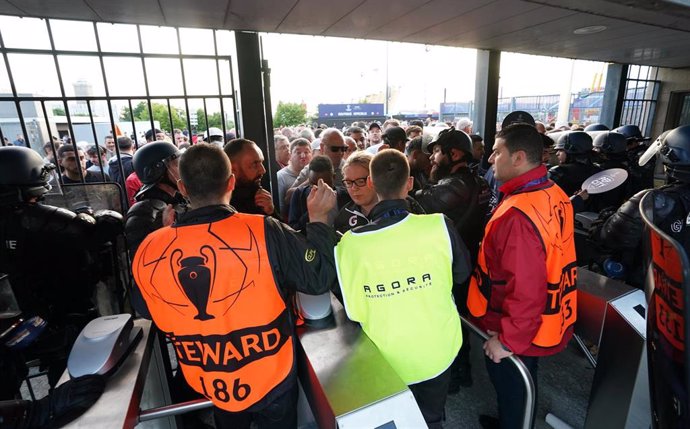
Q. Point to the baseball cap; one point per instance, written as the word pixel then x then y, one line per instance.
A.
pixel 374 125
pixel 516 117
pixel 394 134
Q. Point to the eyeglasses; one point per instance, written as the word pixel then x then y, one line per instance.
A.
pixel 357 182
pixel 338 148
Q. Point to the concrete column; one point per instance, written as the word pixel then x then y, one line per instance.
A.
pixel 486 98
pixel 614 93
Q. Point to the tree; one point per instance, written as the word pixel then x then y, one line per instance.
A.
pixel 214 120
pixel 289 114
pixel 160 114
pixel 58 111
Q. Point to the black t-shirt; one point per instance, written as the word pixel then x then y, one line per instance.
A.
pixel 89 177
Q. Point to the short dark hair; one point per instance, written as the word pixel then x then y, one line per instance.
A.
pixel 235 147
pixel 124 143
pixel 321 164
pixel 298 142
pixel 389 171
pixel 476 138
pixel 151 134
pixel 417 122
pixel 524 137
pixel 354 130
pixel 66 148
pixel 205 170
pixel 92 150
pixel 414 144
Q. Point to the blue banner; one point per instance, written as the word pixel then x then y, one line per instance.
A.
pixel 350 110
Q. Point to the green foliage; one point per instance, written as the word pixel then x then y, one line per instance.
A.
pixel 214 120
pixel 58 111
pixel 289 114
pixel 160 114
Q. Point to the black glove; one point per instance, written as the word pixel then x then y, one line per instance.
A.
pixel 109 224
pixel 66 402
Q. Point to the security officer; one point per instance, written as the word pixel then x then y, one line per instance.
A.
pixel 574 152
pixel 48 255
pixel 56 285
pixel 622 231
pixel 214 292
pixel 641 176
pixel 611 148
pixel 463 196
pixel 419 344
pixel 156 165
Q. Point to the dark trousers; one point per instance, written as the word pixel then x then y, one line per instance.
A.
pixel 279 414
pixel 510 389
pixel 431 398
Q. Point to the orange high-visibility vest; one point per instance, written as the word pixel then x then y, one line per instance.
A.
pixel 551 213
pixel 211 289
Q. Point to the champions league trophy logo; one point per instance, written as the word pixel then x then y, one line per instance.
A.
pixel 195 278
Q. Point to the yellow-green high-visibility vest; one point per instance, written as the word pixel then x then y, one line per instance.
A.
pixel 397 283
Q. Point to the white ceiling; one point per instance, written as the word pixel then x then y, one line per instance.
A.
pixel 651 32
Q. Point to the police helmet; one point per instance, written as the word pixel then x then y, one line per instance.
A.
pixel 675 153
pixel 149 161
pixel 631 132
pixel 610 143
pixel 23 174
pixel 450 138
pixel 575 143
pixel 596 127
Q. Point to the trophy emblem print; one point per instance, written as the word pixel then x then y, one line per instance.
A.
pixel 195 278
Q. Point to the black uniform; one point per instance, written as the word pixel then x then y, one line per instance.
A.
pixel 351 216
pixel 641 177
pixel 49 255
pixel 570 176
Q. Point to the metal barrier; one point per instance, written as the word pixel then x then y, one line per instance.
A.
pixel 524 373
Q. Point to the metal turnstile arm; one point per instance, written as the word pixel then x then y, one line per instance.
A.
pixel 524 373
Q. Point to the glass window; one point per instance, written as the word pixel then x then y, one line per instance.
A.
pixel 159 40
pixel 118 37
pixel 225 81
pixel 226 42
pixel 5 87
pixel 125 76
pixel 196 41
pixel 81 76
pixel 201 77
pixel 164 76
pixel 73 35
pixel 15 30
pixel 34 74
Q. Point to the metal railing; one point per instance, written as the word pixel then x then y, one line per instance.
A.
pixel 530 398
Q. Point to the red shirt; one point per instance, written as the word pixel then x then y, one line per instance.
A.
pixel 133 184
pixel 516 259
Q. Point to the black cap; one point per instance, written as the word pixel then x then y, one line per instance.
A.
pixel 450 138
pixel 374 125
pixel 395 134
pixel 517 117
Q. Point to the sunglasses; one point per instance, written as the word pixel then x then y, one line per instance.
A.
pixel 338 148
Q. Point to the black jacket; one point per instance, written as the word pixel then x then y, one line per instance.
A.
pixel 146 215
pixel 117 175
pixel 351 216
pixel 572 175
pixel 464 198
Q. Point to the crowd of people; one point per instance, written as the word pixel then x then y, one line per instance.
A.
pixel 495 233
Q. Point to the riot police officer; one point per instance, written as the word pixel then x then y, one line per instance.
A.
pixel 611 150
pixel 574 151
pixel 641 176
pixel 48 254
pixel 156 165
pixel 622 231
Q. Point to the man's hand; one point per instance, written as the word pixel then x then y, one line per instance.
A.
pixel 264 200
pixel 168 215
pixel 320 202
pixel 582 193
pixel 494 350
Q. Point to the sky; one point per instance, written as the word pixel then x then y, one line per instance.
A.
pixel 304 69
